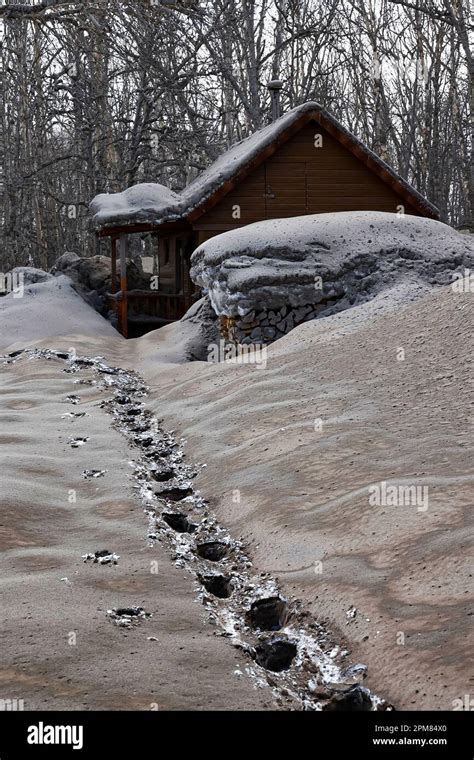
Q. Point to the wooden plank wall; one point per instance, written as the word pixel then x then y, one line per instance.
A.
pixel 303 179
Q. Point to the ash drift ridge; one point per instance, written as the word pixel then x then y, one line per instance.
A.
pixel 356 254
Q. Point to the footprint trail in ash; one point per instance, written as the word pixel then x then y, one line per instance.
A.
pixel 287 649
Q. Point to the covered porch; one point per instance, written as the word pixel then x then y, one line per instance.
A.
pixel 168 292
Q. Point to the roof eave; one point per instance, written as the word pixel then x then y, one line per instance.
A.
pixel 166 225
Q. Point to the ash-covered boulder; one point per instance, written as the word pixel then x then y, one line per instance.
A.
pixel 92 277
pixel 66 260
pixel 31 275
pixel 268 277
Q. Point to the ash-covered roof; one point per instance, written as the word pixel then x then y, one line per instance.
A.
pixel 155 204
pixel 147 202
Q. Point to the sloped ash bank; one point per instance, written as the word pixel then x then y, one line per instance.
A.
pixel 286 648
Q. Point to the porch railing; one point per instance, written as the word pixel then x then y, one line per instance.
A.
pixel 131 304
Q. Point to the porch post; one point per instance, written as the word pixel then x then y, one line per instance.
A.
pixel 123 322
pixel 113 272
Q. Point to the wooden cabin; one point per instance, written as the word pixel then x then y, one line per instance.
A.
pixel 305 162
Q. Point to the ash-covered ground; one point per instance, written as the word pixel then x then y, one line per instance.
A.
pixel 288 457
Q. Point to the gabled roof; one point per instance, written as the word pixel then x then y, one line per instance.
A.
pixel 232 167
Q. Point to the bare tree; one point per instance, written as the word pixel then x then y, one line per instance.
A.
pixel 101 94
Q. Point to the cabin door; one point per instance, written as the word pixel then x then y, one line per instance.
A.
pixel 285 189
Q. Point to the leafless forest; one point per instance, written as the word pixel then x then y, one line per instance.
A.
pixel 100 94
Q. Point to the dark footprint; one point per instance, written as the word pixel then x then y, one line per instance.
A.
pixel 127 617
pixel 212 550
pixel 267 614
pixel 105 555
pixel 145 442
pixel 75 443
pixel 162 475
pixel 159 460
pixel 122 399
pixel 102 553
pixel 218 585
pixel 139 428
pixel 178 522
pixel 174 494
pixel 355 699
pixel 130 611
pixel 165 451
pixel 93 473
pixel 165 448
pixel 102 557
pixel 276 655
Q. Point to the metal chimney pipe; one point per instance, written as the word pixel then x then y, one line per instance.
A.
pixel 275 86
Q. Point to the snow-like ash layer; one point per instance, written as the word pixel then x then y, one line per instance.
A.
pixel 348 256
pixel 147 201
pixel 48 307
pixel 287 649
